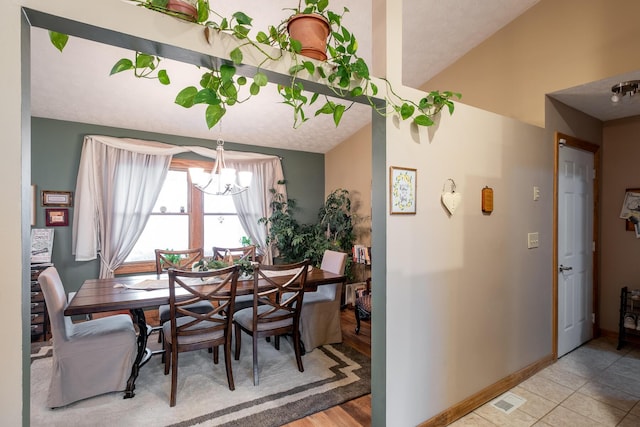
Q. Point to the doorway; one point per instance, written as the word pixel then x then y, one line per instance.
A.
pixel 575 313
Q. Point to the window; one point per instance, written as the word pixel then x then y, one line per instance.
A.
pixel 184 217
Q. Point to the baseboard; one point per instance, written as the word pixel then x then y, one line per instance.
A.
pixel 485 395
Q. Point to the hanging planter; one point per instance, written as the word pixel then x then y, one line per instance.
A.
pixel 311 30
pixel 184 7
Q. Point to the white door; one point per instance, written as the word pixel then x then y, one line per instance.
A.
pixel 575 248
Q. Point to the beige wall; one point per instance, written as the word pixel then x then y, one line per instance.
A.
pixel 555 45
pixel 348 166
pixel 620 248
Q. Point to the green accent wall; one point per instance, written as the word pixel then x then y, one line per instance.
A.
pixel 55 156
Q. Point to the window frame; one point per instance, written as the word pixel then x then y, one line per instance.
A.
pixel 195 211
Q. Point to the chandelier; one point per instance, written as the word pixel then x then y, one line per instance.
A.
pixel 625 88
pixel 222 181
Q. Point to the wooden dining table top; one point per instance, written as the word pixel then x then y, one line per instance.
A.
pixel 99 295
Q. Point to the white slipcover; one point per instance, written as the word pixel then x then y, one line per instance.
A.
pixel 89 358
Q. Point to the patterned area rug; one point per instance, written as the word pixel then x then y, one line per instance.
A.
pixel 333 375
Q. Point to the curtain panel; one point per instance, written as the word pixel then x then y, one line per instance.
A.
pixel 119 180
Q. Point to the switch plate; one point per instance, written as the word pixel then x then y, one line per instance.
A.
pixel 532 240
pixel 536 193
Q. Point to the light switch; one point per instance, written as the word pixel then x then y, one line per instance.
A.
pixel 536 193
pixel 532 240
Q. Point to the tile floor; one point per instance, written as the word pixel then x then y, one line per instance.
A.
pixel 594 385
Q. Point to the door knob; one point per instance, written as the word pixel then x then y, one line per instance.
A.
pixel 563 268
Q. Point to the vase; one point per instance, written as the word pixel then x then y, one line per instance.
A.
pixel 311 30
pixel 184 7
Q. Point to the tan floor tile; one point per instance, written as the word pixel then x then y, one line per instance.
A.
pixel 542 424
pixel 563 417
pixel 472 420
pixel 515 419
pixel 598 411
pixel 609 395
pixel 536 406
pixel 636 409
pixel 627 367
pixel 558 374
pixel 550 390
pixel 630 421
pixel 619 382
pixel 597 357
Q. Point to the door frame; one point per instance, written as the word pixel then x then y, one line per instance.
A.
pixel 574 142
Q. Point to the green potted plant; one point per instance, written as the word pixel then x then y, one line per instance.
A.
pixel 343 71
pixel 294 241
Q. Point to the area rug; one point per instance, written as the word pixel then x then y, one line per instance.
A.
pixel 333 374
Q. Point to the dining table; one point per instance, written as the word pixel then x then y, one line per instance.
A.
pixel 145 291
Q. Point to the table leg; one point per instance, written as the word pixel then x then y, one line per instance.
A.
pixel 138 319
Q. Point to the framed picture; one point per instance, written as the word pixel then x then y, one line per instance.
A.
pixel 57 198
pixel 402 190
pixel 56 217
pixel 631 208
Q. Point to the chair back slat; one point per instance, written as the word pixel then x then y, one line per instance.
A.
pixel 244 253
pixel 216 286
pixel 283 295
pixel 179 260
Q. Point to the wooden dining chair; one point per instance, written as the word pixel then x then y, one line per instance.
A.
pixel 244 253
pixel 272 315
pixel 189 330
pixel 179 260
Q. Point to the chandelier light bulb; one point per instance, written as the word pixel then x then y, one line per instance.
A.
pixel 221 180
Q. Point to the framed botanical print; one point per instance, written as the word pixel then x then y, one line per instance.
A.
pixel 402 190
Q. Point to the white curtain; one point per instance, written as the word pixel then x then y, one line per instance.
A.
pixel 255 203
pixel 100 198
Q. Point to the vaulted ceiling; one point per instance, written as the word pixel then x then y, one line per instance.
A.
pixel 75 85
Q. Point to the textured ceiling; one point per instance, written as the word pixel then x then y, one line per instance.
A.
pixel 75 85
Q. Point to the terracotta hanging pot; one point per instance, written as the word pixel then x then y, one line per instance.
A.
pixel 185 7
pixel 311 31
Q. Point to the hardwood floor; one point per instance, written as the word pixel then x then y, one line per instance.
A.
pixel 355 412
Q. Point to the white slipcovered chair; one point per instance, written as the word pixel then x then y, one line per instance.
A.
pixel 89 358
pixel 320 316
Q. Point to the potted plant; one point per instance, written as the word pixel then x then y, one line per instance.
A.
pixel 293 241
pixel 343 71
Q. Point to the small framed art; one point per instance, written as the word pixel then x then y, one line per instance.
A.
pixel 402 190
pixel 62 199
pixel 56 217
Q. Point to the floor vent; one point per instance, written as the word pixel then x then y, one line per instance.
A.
pixel 508 402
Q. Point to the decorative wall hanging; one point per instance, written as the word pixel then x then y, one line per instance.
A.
pixel 487 200
pixel 56 217
pixel 631 208
pixel 63 199
pixel 450 199
pixel 402 190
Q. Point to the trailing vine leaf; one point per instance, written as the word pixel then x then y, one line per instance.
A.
pixel 59 40
pixel 406 111
pixel 186 96
pixel 423 120
pixel 227 72
pixel 206 96
pixel 122 65
pixel 164 77
pixel 260 79
pixel 337 113
pixel 236 56
pixel 213 114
